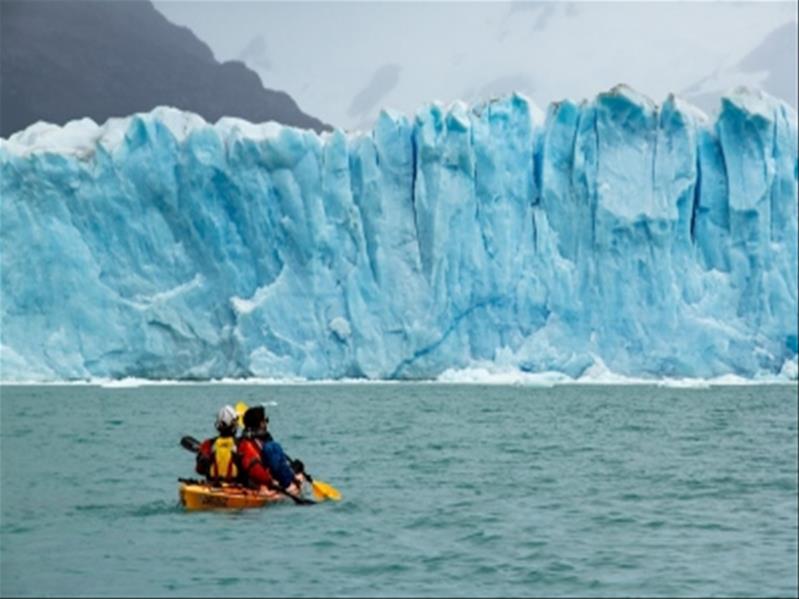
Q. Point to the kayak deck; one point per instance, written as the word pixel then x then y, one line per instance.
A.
pixel 205 496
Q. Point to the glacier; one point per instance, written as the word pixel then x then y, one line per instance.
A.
pixel 615 231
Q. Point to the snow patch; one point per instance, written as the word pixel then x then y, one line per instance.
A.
pixel 340 327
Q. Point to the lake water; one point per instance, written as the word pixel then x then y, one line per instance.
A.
pixel 449 490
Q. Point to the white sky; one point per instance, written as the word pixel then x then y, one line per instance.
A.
pixel 343 61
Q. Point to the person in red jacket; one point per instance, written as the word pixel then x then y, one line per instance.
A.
pixel 262 459
pixel 253 471
pixel 217 458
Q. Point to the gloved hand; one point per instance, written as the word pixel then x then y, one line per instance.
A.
pixel 294 488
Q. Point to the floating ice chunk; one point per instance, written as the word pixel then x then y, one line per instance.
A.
pixel 790 370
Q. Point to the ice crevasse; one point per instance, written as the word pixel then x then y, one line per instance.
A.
pixel 645 237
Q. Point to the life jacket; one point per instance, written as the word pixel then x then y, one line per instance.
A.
pixel 224 460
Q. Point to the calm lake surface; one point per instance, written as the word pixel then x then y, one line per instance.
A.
pixel 449 490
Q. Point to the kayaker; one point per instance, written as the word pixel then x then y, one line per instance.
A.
pixel 263 461
pixel 217 458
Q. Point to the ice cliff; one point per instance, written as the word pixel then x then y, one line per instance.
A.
pixel 641 236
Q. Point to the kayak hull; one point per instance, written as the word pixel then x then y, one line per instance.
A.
pixel 201 496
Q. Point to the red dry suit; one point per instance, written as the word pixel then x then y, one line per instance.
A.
pixel 253 471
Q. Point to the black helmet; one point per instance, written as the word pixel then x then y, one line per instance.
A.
pixel 254 416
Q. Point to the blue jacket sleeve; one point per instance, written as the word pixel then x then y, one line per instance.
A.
pixel 273 456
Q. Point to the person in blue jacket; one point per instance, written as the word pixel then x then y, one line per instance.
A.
pixel 272 455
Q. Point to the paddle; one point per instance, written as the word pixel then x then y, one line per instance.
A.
pixel 241 407
pixel 321 490
pixel 190 443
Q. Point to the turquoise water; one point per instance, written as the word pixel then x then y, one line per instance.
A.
pixel 448 490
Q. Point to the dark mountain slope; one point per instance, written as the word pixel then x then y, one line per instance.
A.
pixel 61 60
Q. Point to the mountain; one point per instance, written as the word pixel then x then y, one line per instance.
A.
pixel 66 59
pixel 772 65
pixel 545 50
pixel 615 232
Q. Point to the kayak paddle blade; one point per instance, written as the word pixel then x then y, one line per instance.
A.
pixel 326 491
pixel 241 407
pixel 190 443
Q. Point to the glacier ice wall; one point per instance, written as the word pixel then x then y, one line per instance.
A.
pixel 644 236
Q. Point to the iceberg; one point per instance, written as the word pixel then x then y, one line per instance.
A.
pixel 617 232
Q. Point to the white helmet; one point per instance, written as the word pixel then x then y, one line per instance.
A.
pixel 226 419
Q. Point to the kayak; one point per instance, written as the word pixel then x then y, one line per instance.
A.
pixel 204 496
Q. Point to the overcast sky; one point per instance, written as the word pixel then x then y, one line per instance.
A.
pixel 343 61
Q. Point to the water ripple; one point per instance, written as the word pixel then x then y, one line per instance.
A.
pixel 571 491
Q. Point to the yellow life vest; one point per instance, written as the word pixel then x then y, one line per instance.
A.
pixel 223 459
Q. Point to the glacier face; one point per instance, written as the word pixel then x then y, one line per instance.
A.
pixel 641 236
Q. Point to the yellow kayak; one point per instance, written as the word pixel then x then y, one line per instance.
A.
pixel 204 496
